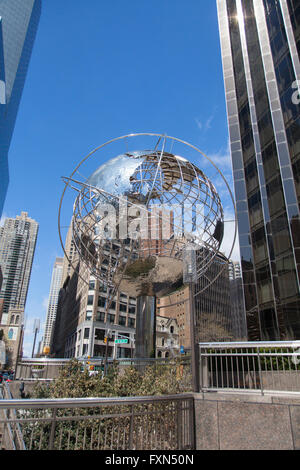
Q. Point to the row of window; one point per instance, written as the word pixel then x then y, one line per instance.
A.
pixel 123 307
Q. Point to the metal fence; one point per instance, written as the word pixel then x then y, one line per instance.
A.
pixel 39 369
pixel 49 369
pixel 11 434
pixel 250 366
pixel 138 423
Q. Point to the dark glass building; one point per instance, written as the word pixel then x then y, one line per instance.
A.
pixel 260 41
pixel 219 316
pixel 18 25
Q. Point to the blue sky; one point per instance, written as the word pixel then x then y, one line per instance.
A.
pixel 101 69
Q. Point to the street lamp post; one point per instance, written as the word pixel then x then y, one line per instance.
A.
pixel 106 339
pixel 36 329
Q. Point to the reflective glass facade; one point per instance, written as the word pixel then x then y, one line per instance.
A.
pixel 18 26
pixel 219 316
pixel 260 42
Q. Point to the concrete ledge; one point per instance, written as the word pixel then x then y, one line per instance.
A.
pixel 239 397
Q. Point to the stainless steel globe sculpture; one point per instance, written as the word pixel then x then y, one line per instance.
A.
pixel 136 214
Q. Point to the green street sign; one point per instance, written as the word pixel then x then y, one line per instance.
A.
pixel 118 341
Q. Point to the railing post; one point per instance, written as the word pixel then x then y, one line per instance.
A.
pixel 200 369
pixel 179 425
pixel 204 372
pixel 52 431
pixel 260 374
pixel 131 428
pixel 192 420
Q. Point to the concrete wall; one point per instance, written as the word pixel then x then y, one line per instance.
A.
pixel 247 422
pixel 14 387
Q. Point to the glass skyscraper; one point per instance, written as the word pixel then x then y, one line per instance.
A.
pixel 18 25
pixel 260 42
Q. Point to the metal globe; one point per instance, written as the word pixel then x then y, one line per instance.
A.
pixel 135 214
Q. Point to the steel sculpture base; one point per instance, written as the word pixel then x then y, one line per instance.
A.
pixel 145 327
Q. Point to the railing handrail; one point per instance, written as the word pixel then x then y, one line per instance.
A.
pixel 44 360
pixel 251 344
pixel 18 433
pixel 42 403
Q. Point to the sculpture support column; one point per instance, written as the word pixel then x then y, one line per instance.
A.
pixel 145 327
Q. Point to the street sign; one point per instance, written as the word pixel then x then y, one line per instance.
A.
pixel 118 341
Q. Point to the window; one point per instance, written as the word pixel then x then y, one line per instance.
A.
pixel 101 302
pixel 90 300
pixel 86 333
pixel 100 316
pixel 172 329
pixel 99 334
pixel 123 307
pixel 131 322
pixel 122 320
pixel 102 288
pixel 89 315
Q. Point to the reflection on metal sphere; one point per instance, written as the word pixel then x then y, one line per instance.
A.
pixel 136 213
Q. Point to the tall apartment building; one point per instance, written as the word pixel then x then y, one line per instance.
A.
pixel 17 245
pixel 18 25
pixel 52 303
pixel 260 42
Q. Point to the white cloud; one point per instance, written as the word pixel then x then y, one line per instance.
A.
pixel 228 243
pixel 2 219
pixel 206 125
pixel 45 303
pixel 221 160
pixel 199 123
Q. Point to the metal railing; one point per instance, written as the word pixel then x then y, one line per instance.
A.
pixel 49 369
pixel 12 438
pixel 137 423
pixel 250 366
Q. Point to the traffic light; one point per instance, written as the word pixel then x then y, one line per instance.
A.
pixel 105 339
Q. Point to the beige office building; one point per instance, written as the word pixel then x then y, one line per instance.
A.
pixel 83 319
